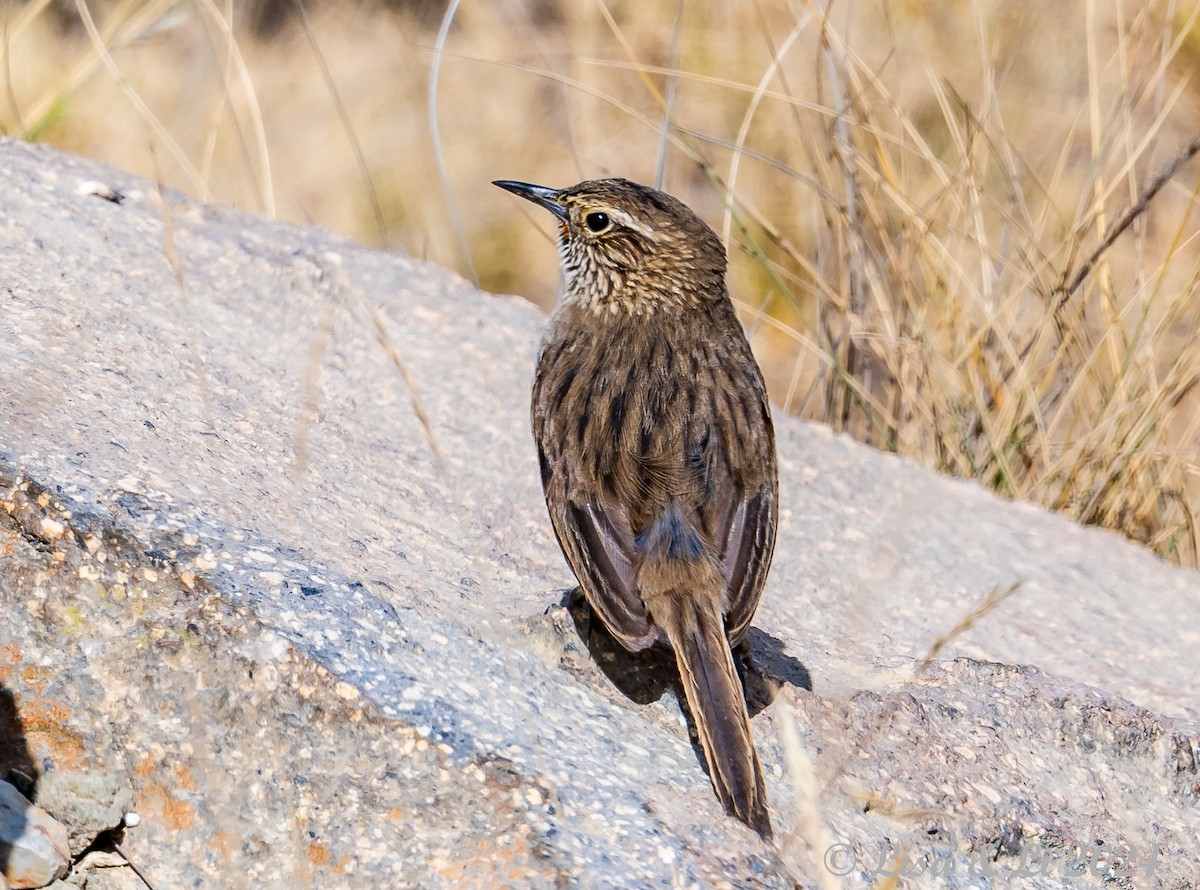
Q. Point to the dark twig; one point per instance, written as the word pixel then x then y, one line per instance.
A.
pixel 1065 292
pixel 994 598
pixel 137 871
pixel 1127 219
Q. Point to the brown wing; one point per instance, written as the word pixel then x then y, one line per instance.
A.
pixel 742 485
pixel 745 559
pixel 595 538
pixel 599 547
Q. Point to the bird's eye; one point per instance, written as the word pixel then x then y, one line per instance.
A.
pixel 597 222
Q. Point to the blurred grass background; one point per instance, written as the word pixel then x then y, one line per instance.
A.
pixel 920 198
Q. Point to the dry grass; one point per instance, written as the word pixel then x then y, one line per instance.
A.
pixel 916 196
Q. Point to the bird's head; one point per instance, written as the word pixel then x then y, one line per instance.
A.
pixel 629 248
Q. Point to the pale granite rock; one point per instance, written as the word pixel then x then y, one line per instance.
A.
pixel 88 802
pixel 233 570
pixel 33 846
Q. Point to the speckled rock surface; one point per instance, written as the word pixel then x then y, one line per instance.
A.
pixel 88 802
pixel 234 575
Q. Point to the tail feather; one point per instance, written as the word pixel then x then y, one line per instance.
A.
pixel 714 694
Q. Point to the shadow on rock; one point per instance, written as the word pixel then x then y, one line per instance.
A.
pixel 642 677
pixel 771 665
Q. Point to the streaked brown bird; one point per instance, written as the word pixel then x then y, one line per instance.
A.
pixel 657 450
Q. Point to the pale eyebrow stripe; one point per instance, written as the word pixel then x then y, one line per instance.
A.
pixel 630 223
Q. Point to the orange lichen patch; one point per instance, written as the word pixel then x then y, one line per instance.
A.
pixel 183 775
pixel 65 749
pixel 44 723
pixel 318 855
pixel 342 863
pixel 43 713
pixel 498 863
pixel 35 677
pixel 145 767
pixel 10 656
pixel 226 843
pixel 395 814
pixel 156 803
pixel 180 815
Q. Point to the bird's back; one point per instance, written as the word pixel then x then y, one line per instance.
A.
pixel 666 415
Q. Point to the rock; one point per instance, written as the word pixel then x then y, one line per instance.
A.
pixel 236 573
pixel 86 801
pixel 33 847
pixel 100 870
pixel 1005 754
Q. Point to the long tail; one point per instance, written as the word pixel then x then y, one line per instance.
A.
pixel 714 693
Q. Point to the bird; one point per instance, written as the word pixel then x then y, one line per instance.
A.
pixel 657 450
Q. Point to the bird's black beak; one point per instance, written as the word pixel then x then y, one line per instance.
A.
pixel 538 194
